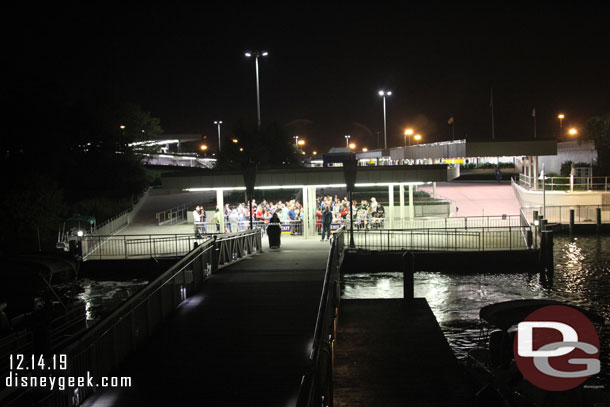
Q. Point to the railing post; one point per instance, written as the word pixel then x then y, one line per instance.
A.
pixel 598 218
pixel 125 246
pixel 408 259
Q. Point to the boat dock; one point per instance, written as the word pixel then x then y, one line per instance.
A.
pixel 244 340
pixel 392 352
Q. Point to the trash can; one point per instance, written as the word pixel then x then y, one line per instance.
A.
pixel 274 231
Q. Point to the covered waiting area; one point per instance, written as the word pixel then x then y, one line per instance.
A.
pixel 310 179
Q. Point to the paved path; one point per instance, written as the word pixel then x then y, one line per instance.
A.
pixel 243 341
pixel 479 198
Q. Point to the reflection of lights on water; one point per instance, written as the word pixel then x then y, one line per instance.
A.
pixel 383 284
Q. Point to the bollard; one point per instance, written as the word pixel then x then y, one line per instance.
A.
pixel 408 261
pixel 546 252
pixel 598 213
pixel 530 239
pixel 571 221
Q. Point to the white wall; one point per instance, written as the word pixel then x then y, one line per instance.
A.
pixel 559 198
pixel 575 151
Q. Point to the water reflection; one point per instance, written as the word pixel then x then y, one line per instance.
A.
pixel 582 277
pixel 102 297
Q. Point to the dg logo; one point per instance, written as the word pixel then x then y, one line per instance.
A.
pixel 557 348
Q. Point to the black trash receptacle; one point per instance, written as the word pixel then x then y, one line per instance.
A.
pixel 274 231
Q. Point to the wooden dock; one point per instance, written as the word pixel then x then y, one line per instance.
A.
pixel 392 352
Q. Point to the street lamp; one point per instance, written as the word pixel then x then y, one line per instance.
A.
pixel 560 117
pixel 408 132
pixel 301 142
pixel 256 55
pixel 347 136
pixel 383 94
pixel 417 138
pixel 352 146
pixel 218 123
pixel 364 150
pixel 572 131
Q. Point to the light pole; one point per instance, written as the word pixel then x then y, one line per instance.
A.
pixel 256 55
pixel 560 117
pixel 383 94
pixel 408 132
pixel 296 140
pixel 218 123
pixel 347 136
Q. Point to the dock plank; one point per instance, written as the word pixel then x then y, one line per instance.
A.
pixel 391 352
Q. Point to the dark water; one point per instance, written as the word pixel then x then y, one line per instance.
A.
pixel 102 297
pixel 582 277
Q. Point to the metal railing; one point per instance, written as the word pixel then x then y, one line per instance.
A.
pixel 136 246
pixel 102 349
pixel 561 214
pixel 469 222
pixel 172 216
pixel 317 385
pixel 565 183
pixel 450 239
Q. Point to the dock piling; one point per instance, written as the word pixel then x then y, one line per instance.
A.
pixel 408 261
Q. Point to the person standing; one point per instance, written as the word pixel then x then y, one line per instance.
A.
pixel 197 221
pixel 217 219
pixel 327 218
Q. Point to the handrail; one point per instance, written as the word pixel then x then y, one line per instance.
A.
pixel 103 347
pixel 316 385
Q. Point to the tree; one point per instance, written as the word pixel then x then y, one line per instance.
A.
pixel 598 129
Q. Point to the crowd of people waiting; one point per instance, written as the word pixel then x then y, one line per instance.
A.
pixel 366 214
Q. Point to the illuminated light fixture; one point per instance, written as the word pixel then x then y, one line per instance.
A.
pixel 257 55
pixel 352 146
pixel 301 142
pixel 572 131
pixel 364 150
pixel 560 116
pixel 417 137
pixel 80 233
pixel 383 93
pixel 315 152
pixel 203 147
pixel 241 149
pixel 235 140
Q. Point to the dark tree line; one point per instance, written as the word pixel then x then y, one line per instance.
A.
pixel 63 155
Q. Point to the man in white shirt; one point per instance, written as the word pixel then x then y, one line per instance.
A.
pixel 197 221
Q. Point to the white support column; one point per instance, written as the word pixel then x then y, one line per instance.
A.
pixel 434 190
pixel 305 212
pixel 220 204
pixel 390 210
pixel 411 207
pixel 535 162
pixel 312 211
pixel 401 193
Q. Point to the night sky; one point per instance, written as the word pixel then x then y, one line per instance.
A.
pixel 185 64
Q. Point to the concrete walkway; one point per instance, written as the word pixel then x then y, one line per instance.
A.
pixel 478 198
pixel 243 341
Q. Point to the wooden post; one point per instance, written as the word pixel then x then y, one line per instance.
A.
pixel 408 261
pixel 598 213
pixel 571 221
